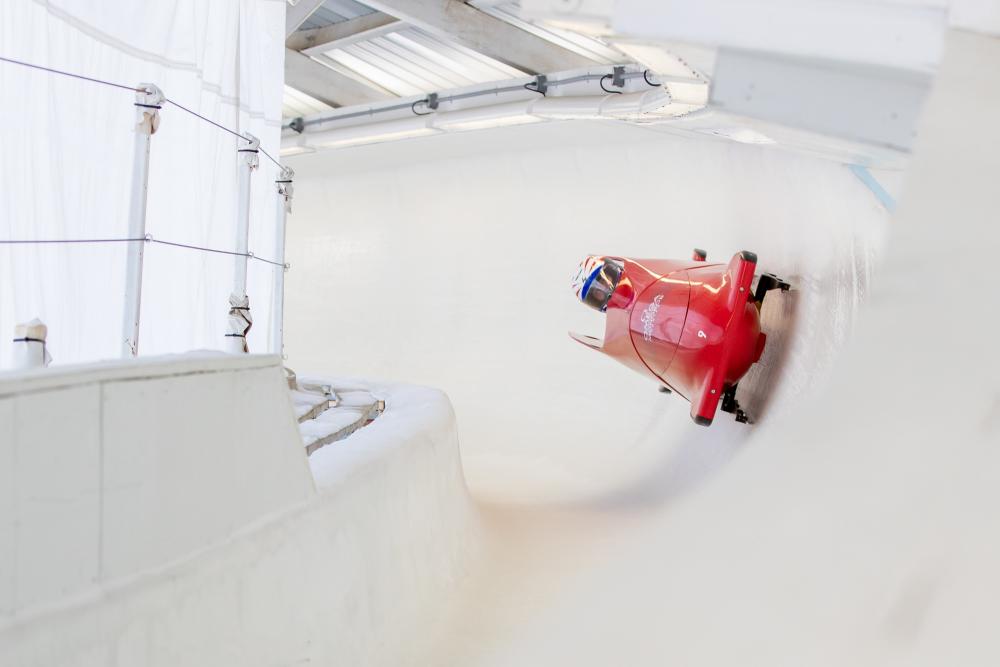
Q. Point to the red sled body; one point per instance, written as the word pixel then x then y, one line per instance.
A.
pixel 691 325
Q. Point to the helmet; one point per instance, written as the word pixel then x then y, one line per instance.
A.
pixel 595 281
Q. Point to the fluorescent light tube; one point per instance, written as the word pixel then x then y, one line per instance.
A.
pixel 370 133
pixel 631 106
pixel 294 146
pixel 582 107
pixel 497 115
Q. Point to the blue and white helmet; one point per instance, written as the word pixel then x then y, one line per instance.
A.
pixel 596 280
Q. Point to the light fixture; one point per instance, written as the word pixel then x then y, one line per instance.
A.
pixel 626 106
pixel 655 104
pixel 370 133
pixel 690 93
pixel 296 148
pixel 569 107
pixel 632 106
pixel 496 115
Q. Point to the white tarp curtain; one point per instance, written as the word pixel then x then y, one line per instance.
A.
pixel 66 167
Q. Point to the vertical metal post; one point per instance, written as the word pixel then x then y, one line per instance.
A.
pixel 147 120
pixel 285 191
pixel 29 345
pixel 240 320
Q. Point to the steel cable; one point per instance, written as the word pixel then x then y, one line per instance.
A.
pixel 137 90
pixel 146 239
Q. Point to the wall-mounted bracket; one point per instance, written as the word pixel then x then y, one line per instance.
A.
pixel 618 76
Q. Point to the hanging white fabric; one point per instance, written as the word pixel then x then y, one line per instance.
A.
pixel 65 171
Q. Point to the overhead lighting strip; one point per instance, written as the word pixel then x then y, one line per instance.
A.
pixel 299 124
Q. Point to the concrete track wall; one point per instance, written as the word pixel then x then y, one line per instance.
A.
pixel 116 468
pixel 163 513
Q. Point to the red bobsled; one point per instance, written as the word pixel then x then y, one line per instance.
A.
pixel 691 325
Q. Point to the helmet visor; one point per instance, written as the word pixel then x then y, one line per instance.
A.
pixel 596 280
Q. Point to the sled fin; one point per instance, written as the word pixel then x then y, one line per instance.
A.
pixel 740 275
pixel 705 403
pixel 589 341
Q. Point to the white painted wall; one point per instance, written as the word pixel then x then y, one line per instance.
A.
pixel 165 513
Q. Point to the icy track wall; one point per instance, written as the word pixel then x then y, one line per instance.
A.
pixel 446 261
pixel 163 513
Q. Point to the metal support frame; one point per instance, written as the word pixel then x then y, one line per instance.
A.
pixel 487 34
pixel 240 320
pixel 298 12
pixel 872 184
pixel 285 192
pixel 327 84
pixel 148 101
pixel 343 33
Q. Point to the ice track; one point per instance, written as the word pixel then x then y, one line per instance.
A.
pixel 854 523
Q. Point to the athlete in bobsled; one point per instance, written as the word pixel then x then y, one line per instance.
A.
pixel 595 281
pixel 689 324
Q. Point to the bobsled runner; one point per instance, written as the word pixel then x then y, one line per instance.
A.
pixel 692 325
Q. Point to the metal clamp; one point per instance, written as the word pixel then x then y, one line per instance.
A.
pixel 249 150
pixel 148 101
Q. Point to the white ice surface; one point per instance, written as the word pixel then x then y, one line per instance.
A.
pixel 315 428
pixel 465 285
pixel 355 398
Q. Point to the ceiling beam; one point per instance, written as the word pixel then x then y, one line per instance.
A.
pixel 297 14
pixel 337 35
pixel 328 85
pixel 483 33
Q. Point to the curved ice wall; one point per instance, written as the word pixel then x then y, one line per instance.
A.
pixel 447 262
